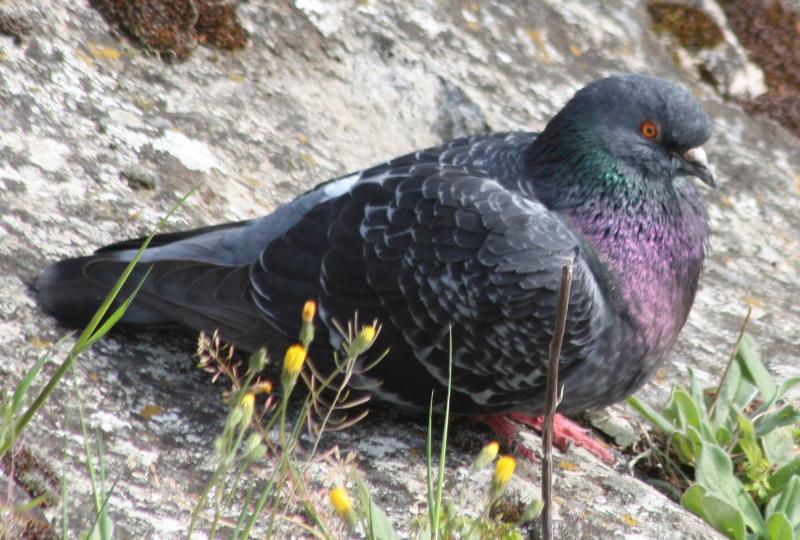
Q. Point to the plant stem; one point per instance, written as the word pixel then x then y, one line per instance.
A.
pixel 553 398
pixel 730 360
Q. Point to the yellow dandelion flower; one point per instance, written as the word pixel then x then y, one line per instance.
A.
pixel 367 333
pixel 293 360
pixel 502 474
pixel 309 310
pixel 486 456
pixel 248 400
pixel 340 500
pixel 364 339
pixel 248 404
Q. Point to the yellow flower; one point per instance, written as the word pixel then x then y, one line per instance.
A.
pixel 309 310
pixel 363 340
pixel 487 455
pixel 248 404
pixel 293 361
pixel 262 387
pixel 248 401
pixel 367 333
pixel 502 474
pixel 340 500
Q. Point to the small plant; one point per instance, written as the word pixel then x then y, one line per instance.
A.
pixel 741 439
pixel 248 435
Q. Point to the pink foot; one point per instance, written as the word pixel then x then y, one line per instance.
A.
pixel 507 431
pixel 565 432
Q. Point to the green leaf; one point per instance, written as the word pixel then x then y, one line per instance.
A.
pixel 684 409
pixel 747 440
pixel 379 525
pixel 715 473
pixel 684 447
pixel 788 415
pixel 753 368
pixel 723 436
pixel 782 476
pixel 715 511
pixel 778 527
pixel 656 419
pixel 779 444
pixel 721 416
pixel 697 394
pixel 788 503
pixel 785 386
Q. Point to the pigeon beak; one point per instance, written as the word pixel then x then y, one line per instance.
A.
pixel 694 162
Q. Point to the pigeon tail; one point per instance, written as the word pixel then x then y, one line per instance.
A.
pixel 70 296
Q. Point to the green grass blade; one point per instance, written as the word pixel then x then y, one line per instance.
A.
pixel 432 518
pixel 115 316
pixel 443 451
pixel 85 336
pixel 25 383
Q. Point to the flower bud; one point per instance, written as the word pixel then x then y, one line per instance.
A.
pixel 309 310
pixel 248 406
pixel 363 340
pixel 250 450
pixel 234 418
pixel 258 360
pixel 486 456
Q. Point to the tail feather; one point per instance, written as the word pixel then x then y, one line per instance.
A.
pixel 70 296
pixel 199 295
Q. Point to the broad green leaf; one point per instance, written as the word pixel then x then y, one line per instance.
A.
pixel 693 499
pixel 779 444
pixel 684 447
pixel 697 394
pixel 717 512
pixel 745 394
pixel 788 503
pixel 698 440
pixel 715 473
pixel 753 368
pixel 788 415
pixel 778 527
pixel 747 440
pixel 723 436
pixel 721 415
pixel 378 525
pixel 687 409
pixel 786 385
pixel 781 477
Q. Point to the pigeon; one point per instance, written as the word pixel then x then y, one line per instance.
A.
pixel 463 241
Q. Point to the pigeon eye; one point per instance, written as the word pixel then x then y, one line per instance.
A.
pixel 649 129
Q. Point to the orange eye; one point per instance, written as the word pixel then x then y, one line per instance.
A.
pixel 648 129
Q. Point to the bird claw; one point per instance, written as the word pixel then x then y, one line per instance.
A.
pixel 565 434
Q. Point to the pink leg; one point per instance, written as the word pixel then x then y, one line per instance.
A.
pixel 507 431
pixel 565 432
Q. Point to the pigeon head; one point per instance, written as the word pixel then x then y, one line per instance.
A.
pixel 639 129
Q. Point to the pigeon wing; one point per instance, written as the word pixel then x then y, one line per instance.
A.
pixel 425 248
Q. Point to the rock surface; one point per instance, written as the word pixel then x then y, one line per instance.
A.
pixel 100 138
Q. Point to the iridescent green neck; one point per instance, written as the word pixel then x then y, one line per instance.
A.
pixel 649 232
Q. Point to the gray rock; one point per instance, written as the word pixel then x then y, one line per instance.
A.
pixel 322 89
